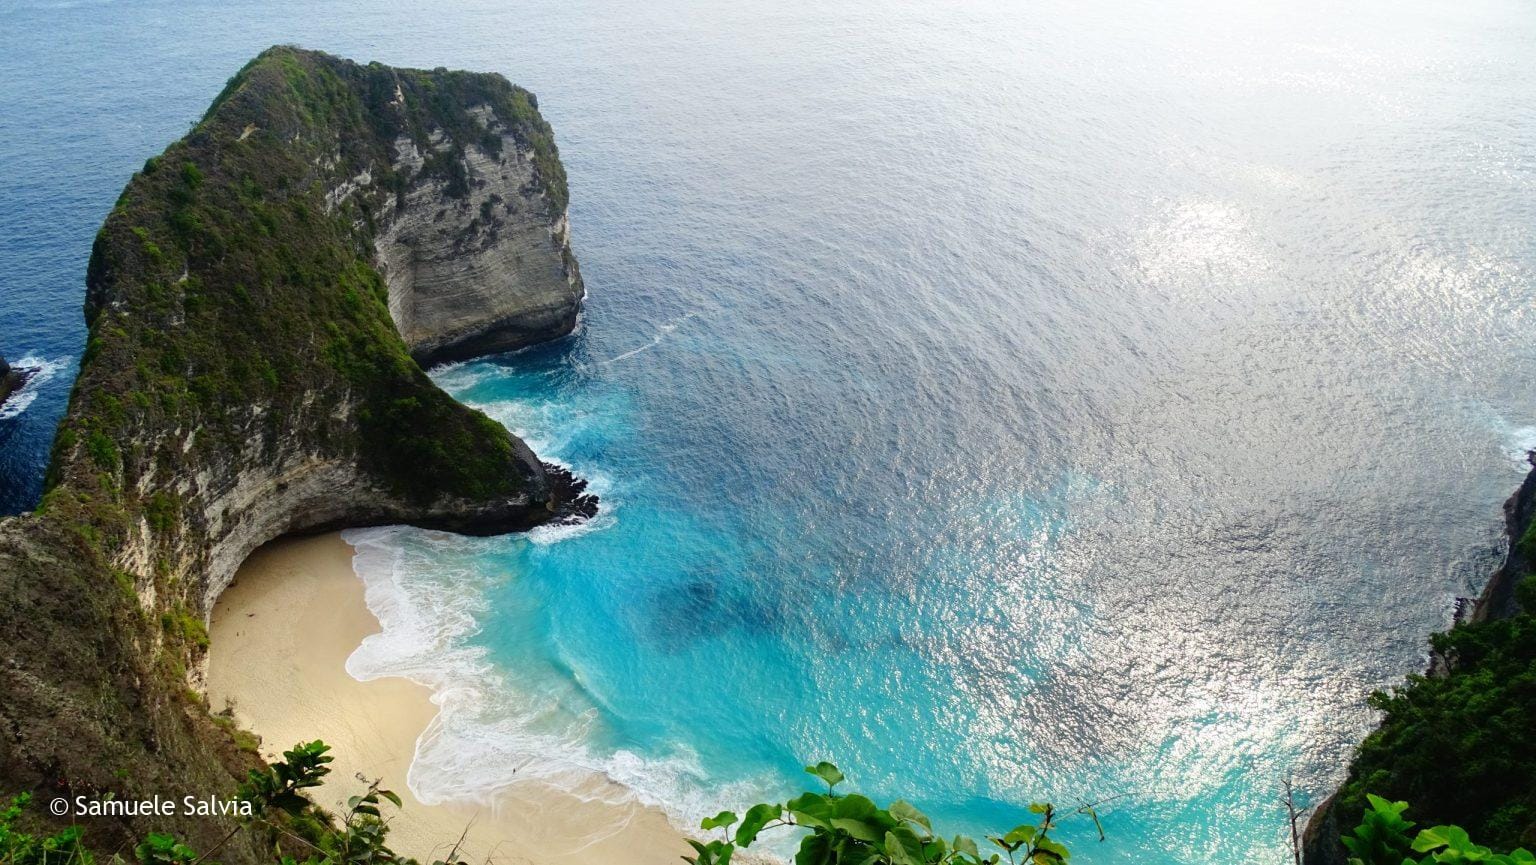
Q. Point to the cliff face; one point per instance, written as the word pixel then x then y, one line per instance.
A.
pixel 479 261
pixel 244 378
pixel 1432 731
pixel 1498 598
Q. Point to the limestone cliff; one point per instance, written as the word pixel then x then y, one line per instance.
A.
pixel 244 378
pixel 477 260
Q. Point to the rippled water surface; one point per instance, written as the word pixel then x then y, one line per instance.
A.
pixel 1004 400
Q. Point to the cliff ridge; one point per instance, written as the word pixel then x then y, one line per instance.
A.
pixel 257 303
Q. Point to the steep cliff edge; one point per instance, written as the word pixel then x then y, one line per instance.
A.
pixel 1459 744
pixel 244 378
pixel 476 256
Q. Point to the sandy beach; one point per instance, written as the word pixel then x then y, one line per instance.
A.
pixel 281 635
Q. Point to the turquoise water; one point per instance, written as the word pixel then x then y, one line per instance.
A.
pixel 1004 401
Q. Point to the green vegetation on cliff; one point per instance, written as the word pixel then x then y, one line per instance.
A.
pixel 1461 747
pixel 1386 837
pixel 224 278
pixel 242 379
pixel 1460 742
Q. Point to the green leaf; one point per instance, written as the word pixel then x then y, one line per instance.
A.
pixel 826 772
pixel 1054 849
pixel 902 810
pixel 719 821
pixel 966 845
pixel 1019 835
pixel 756 818
pixel 902 847
pixel 811 809
pixel 1432 838
pixel 853 806
pixel 815 849
pixel 860 829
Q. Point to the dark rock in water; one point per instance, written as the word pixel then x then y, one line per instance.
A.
pixel 569 501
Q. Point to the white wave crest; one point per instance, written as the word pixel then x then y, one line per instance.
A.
pixel 430 593
pixel 656 339
pixel 548 429
pixel 430 596
pixel 39 371
pixel 1519 442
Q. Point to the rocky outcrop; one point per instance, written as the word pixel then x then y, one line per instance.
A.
pixel 1498 598
pixel 244 378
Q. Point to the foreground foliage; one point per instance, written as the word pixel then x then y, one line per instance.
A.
pixel 1382 839
pixel 296 832
pixel 850 829
pixel 840 829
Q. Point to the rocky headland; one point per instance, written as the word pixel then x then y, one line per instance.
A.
pixel 259 301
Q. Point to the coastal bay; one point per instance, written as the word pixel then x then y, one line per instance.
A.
pixel 281 634
pixel 988 399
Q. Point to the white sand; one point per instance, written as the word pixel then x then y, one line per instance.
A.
pixel 281 635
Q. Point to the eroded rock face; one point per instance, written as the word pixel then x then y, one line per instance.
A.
pixel 485 267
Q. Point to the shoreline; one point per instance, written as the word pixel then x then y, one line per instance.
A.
pixel 280 636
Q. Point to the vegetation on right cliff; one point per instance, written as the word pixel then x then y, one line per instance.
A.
pixel 1461 746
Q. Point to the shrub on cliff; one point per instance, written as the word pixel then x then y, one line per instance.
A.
pixel 1462 746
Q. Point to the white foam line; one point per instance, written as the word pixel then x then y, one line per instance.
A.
pixel 656 340
pixel 429 594
pixel 428 598
pixel 38 371
pixel 1521 441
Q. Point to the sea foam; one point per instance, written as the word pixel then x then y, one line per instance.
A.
pixel 39 371
pixel 429 591
pixel 490 731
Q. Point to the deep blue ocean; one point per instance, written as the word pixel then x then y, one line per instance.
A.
pixel 1006 401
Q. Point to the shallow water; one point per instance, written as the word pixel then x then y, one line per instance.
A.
pixel 1006 402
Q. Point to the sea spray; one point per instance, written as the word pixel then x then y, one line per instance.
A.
pixel 36 371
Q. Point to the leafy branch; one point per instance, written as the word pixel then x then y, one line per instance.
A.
pixel 851 829
pixel 1382 839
